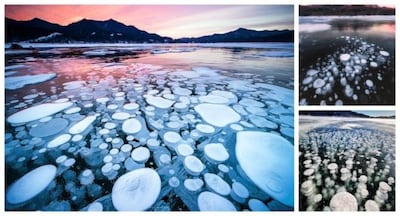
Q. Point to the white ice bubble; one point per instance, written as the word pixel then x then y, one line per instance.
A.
pixel 17 82
pixel 318 83
pixel 216 114
pixel 373 64
pixel 369 83
pixel 140 154
pixel 216 152
pixel 31 184
pixel 344 57
pixel 193 184
pixel 37 112
pixel 307 80
pixel 217 184
pixel 137 190
pixel 82 125
pixel 131 126
pixel 343 201
pixel 193 165
pixel 213 99
pixel 159 102
pixel 208 201
pixel 260 156
pixel 59 140
pixel 257 205
pixel 384 53
pixel 121 116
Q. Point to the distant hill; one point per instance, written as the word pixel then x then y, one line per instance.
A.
pixel 344 10
pixel 244 35
pixel 334 113
pixel 112 31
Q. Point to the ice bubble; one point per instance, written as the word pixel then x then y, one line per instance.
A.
pixel 172 138
pixel 31 184
pixel 260 154
pixel 72 110
pixel 17 82
pixel 52 127
pixel 96 206
pixel 102 100
pixel 159 102
pixel 384 53
pixel 217 184
pixel 82 125
pixel 184 150
pixel 239 192
pixel 373 64
pixel 205 129
pixel 257 205
pixel 121 116
pixel 371 205
pixel 61 139
pixel 193 185
pixel 193 165
pixel 312 72
pixel 369 83
pixel 131 106
pixel 131 126
pixel 348 91
pixel 344 57
pixel 181 91
pixel 136 190
pixel 307 80
pixel 37 112
pixel 232 98
pixel 110 125
pixel 213 99
pixel 216 152
pixel 343 201
pixel 216 114
pixel 208 201
pixel 140 154
pixel 318 83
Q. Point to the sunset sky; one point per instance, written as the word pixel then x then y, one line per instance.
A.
pixel 167 20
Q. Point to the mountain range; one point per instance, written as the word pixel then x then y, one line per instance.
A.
pixel 112 31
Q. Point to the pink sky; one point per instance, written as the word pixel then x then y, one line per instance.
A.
pixel 167 20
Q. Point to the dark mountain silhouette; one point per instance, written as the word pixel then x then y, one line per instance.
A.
pixel 343 10
pixel 244 35
pixel 111 31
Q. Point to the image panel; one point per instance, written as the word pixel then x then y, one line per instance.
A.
pixel 347 161
pixel 346 55
pixel 149 108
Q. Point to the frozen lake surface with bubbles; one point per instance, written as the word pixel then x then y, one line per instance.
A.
pixel 346 164
pixel 347 60
pixel 167 127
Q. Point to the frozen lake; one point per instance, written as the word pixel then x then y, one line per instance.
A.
pixel 347 60
pixel 166 124
pixel 346 164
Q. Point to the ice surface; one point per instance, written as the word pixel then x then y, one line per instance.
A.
pixel 216 114
pixel 82 125
pixel 208 201
pixel 271 173
pixel 17 82
pixel 31 184
pixel 37 112
pixel 217 184
pixel 136 190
